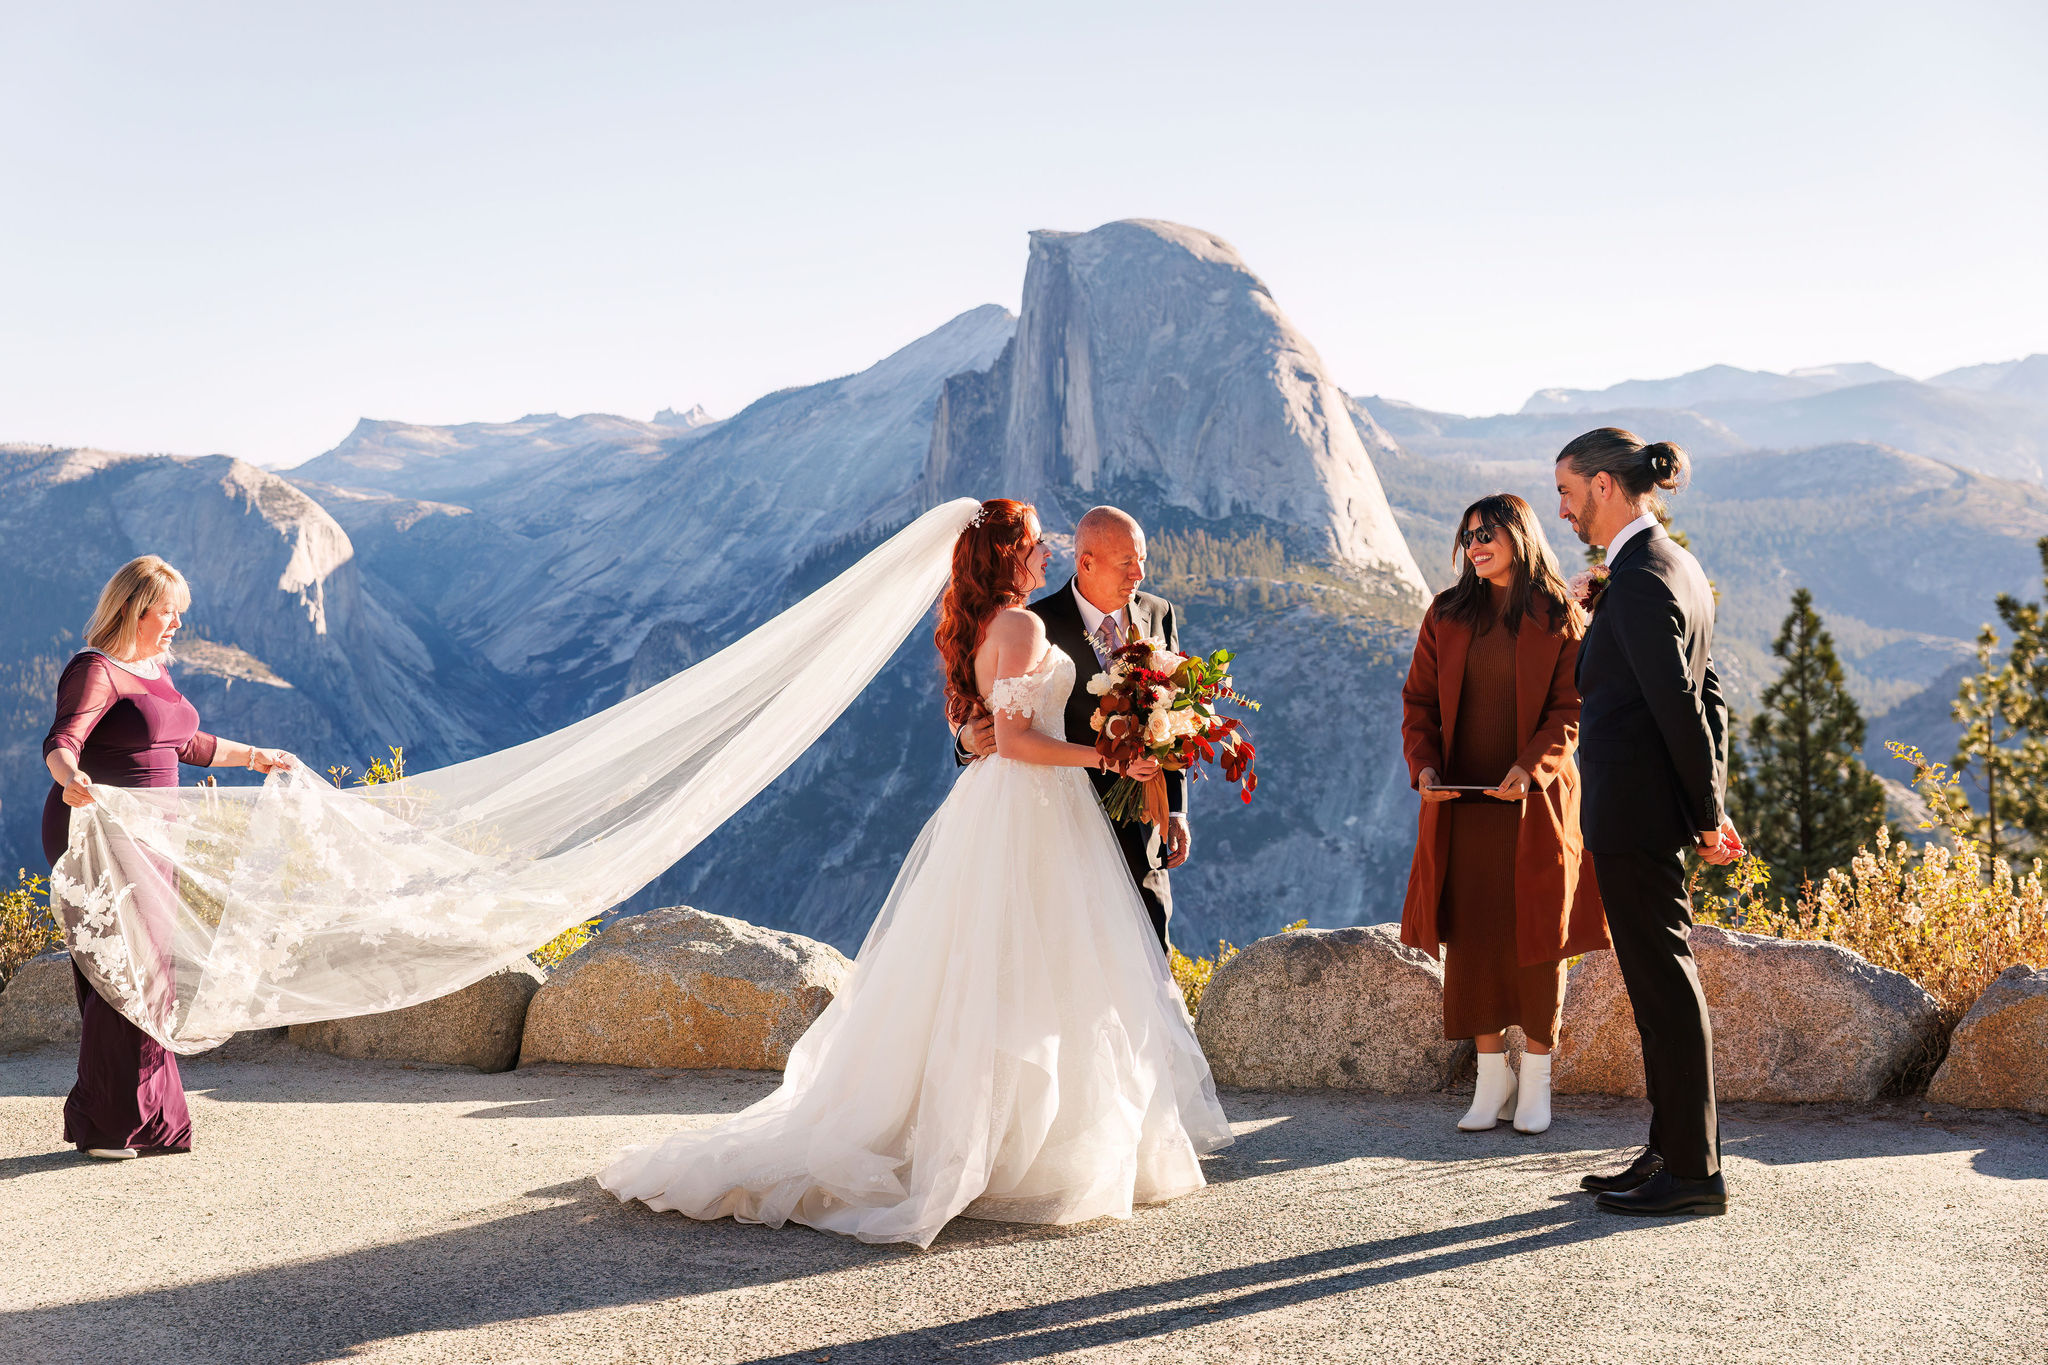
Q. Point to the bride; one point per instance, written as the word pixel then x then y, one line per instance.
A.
pixel 1009 1044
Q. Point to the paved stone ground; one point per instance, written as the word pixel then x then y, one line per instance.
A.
pixel 370 1211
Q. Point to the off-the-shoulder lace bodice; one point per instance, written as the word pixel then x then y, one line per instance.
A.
pixel 1040 694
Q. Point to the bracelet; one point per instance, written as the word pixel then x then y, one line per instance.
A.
pixel 251 763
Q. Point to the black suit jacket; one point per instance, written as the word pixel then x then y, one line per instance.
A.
pixel 1151 617
pixel 1653 730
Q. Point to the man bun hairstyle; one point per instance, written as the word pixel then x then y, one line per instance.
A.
pixel 1641 469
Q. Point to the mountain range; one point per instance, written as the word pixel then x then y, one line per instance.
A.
pixel 1991 418
pixel 456 589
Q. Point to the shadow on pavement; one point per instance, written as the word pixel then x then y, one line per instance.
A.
pixel 587 1252
pixel 1142 1311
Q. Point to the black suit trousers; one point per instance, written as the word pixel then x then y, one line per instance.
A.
pixel 1648 916
pixel 1139 840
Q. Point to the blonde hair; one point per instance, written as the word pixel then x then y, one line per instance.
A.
pixel 135 587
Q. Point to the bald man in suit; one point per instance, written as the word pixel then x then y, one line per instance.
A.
pixel 1093 614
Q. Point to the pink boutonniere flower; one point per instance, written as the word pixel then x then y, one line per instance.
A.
pixel 1586 588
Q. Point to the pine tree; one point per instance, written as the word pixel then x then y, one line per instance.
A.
pixel 1991 707
pixel 1800 794
pixel 2004 711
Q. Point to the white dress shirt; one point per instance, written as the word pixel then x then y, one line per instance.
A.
pixel 1093 616
pixel 1627 533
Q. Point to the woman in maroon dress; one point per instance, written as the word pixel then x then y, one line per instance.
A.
pixel 120 723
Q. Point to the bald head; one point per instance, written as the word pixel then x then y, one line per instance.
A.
pixel 1109 557
pixel 1106 528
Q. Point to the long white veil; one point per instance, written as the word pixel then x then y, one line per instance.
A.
pixel 203 911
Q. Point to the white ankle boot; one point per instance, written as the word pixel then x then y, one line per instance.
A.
pixel 1493 1099
pixel 1532 1099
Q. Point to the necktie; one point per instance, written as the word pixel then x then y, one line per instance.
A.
pixel 1108 639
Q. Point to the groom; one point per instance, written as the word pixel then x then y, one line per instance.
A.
pixel 1653 753
pixel 1098 612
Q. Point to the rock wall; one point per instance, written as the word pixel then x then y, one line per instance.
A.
pixel 1998 1058
pixel 679 988
pixel 1793 1021
pixel 1329 1009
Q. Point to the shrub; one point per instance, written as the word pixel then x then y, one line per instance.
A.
pixel 381 770
pixel 556 950
pixel 1946 915
pixel 26 925
pixel 1192 974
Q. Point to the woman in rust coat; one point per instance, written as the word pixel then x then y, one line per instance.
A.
pixel 1491 710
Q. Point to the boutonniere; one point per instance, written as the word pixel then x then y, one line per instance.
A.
pixel 1587 587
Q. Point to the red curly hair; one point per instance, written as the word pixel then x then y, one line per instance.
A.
pixel 986 559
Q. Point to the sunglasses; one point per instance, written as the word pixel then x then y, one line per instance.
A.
pixel 1481 535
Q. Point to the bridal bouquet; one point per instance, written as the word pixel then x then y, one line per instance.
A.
pixel 1161 705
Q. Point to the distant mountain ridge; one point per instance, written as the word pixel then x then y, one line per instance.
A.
pixel 1991 418
pixel 458 588
pixel 1714 384
pixel 2025 379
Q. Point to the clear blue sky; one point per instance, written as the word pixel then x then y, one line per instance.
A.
pixel 238 227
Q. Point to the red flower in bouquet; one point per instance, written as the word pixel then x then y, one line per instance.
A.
pixel 1160 705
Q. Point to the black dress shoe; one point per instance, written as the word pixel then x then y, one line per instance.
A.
pixel 1665 1195
pixel 1646 1164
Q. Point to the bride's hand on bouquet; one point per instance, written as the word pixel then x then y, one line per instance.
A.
pixel 1141 770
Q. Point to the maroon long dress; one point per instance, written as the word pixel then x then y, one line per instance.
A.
pixel 125 731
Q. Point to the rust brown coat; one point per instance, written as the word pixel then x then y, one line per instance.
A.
pixel 1557 902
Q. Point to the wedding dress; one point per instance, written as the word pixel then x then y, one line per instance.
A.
pixel 1009 1045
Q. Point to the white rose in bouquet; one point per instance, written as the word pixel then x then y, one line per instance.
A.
pixel 1186 722
pixel 1100 684
pixel 1165 661
pixel 1158 729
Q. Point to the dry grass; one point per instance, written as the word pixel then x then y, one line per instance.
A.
pixel 1945 915
pixel 26 925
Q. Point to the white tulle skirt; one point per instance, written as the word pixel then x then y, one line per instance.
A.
pixel 1009 1045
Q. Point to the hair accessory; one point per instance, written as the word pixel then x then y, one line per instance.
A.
pixel 980 517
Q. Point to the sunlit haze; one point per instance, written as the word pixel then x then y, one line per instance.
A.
pixel 238 228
